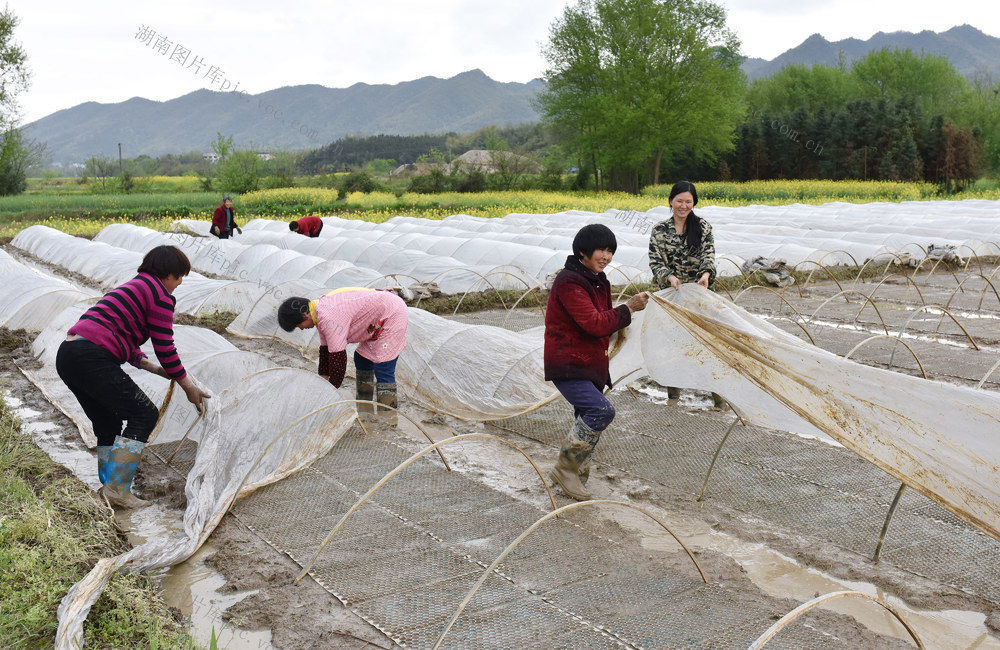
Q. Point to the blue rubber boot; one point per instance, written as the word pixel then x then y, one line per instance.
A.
pixel 103 462
pixel 118 471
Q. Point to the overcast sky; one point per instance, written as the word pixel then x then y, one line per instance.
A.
pixel 89 51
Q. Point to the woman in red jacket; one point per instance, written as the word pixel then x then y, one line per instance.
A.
pixel 579 322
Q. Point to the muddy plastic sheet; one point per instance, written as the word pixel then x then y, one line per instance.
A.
pixel 262 424
pixel 940 439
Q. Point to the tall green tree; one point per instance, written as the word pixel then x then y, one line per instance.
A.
pixel 16 152
pixel 634 84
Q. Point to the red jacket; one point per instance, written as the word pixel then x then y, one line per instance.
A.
pixel 219 218
pixel 579 322
pixel 309 226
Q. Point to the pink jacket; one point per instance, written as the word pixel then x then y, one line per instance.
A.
pixel 375 320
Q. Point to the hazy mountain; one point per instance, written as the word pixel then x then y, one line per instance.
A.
pixel 971 51
pixel 289 118
pixel 307 117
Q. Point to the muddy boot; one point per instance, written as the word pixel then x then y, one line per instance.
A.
pixel 573 458
pixel 387 397
pixel 673 393
pixel 116 466
pixel 717 402
pixel 585 473
pixel 365 382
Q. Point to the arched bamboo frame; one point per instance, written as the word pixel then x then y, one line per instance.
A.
pixel 867 300
pixel 905 277
pixel 888 519
pixel 894 257
pixel 769 289
pixel 805 607
pixel 809 277
pixel 945 311
pixel 934 268
pixel 987 375
pixel 889 336
pixel 468 291
pixel 517 302
pixel 409 461
pixel 715 457
pixel 530 529
pixel 974 256
pixel 982 294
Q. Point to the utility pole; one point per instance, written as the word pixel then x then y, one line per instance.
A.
pixel 120 170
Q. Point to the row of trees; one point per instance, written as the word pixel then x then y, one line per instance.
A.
pixel 643 91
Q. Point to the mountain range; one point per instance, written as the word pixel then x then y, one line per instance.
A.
pixel 310 116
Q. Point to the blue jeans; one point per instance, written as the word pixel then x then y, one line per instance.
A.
pixel 589 403
pixel 385 372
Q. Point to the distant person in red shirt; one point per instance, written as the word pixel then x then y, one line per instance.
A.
pixel 308 226
pixel 224 220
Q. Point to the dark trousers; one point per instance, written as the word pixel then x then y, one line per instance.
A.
pixel 108 395
pixel 385 372
pixel 589 403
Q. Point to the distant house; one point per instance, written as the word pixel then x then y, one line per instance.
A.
pixel 265 156
pixel 472 160
pixel 210 156
pixel 420 168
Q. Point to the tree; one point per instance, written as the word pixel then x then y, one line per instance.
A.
pixel 100 167
pixel 14 74
pixel 16 153
pixel 222 145
pixel 932 81
pixel 632 84
pixel 240 172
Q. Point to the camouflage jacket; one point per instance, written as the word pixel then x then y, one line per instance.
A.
pixel 669 255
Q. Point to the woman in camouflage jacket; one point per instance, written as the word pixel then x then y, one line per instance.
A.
pixel 682 250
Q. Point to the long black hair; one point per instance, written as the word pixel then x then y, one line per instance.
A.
pixel 693 231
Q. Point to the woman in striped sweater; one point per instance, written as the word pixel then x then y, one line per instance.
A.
pixel 108 335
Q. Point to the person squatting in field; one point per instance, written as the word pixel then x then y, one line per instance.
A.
pixel 309 226
pixel 375 320
pixel 224 220
pixel 579 321
pixel 106 336
pixel 682 250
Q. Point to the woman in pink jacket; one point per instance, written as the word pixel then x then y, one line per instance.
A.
pixel 375 320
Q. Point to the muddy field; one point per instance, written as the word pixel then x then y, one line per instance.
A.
pixel 757 558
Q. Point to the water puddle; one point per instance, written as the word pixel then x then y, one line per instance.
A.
pixel 192 586
pixel 782 577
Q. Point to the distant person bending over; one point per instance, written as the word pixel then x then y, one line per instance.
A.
pixel 224 220
pixel 682 250
pixel 375 320
pixel 579 321
pixel 309 226
pixel 108 335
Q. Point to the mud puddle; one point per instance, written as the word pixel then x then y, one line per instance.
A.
pixel 782 577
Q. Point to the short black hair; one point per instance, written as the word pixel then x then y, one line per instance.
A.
pixel 292 311
pixel 165 260
pixel 293 225
pixel 592 237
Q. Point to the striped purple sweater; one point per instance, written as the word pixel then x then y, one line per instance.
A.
pixel 123 319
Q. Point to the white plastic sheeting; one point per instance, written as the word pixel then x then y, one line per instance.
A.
pixel 940 439
pixel 537 244
pixel 263 264
pixel 29 298
pixel 111 266
pixel 263 424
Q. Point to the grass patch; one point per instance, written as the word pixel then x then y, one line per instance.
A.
pixel 52 531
